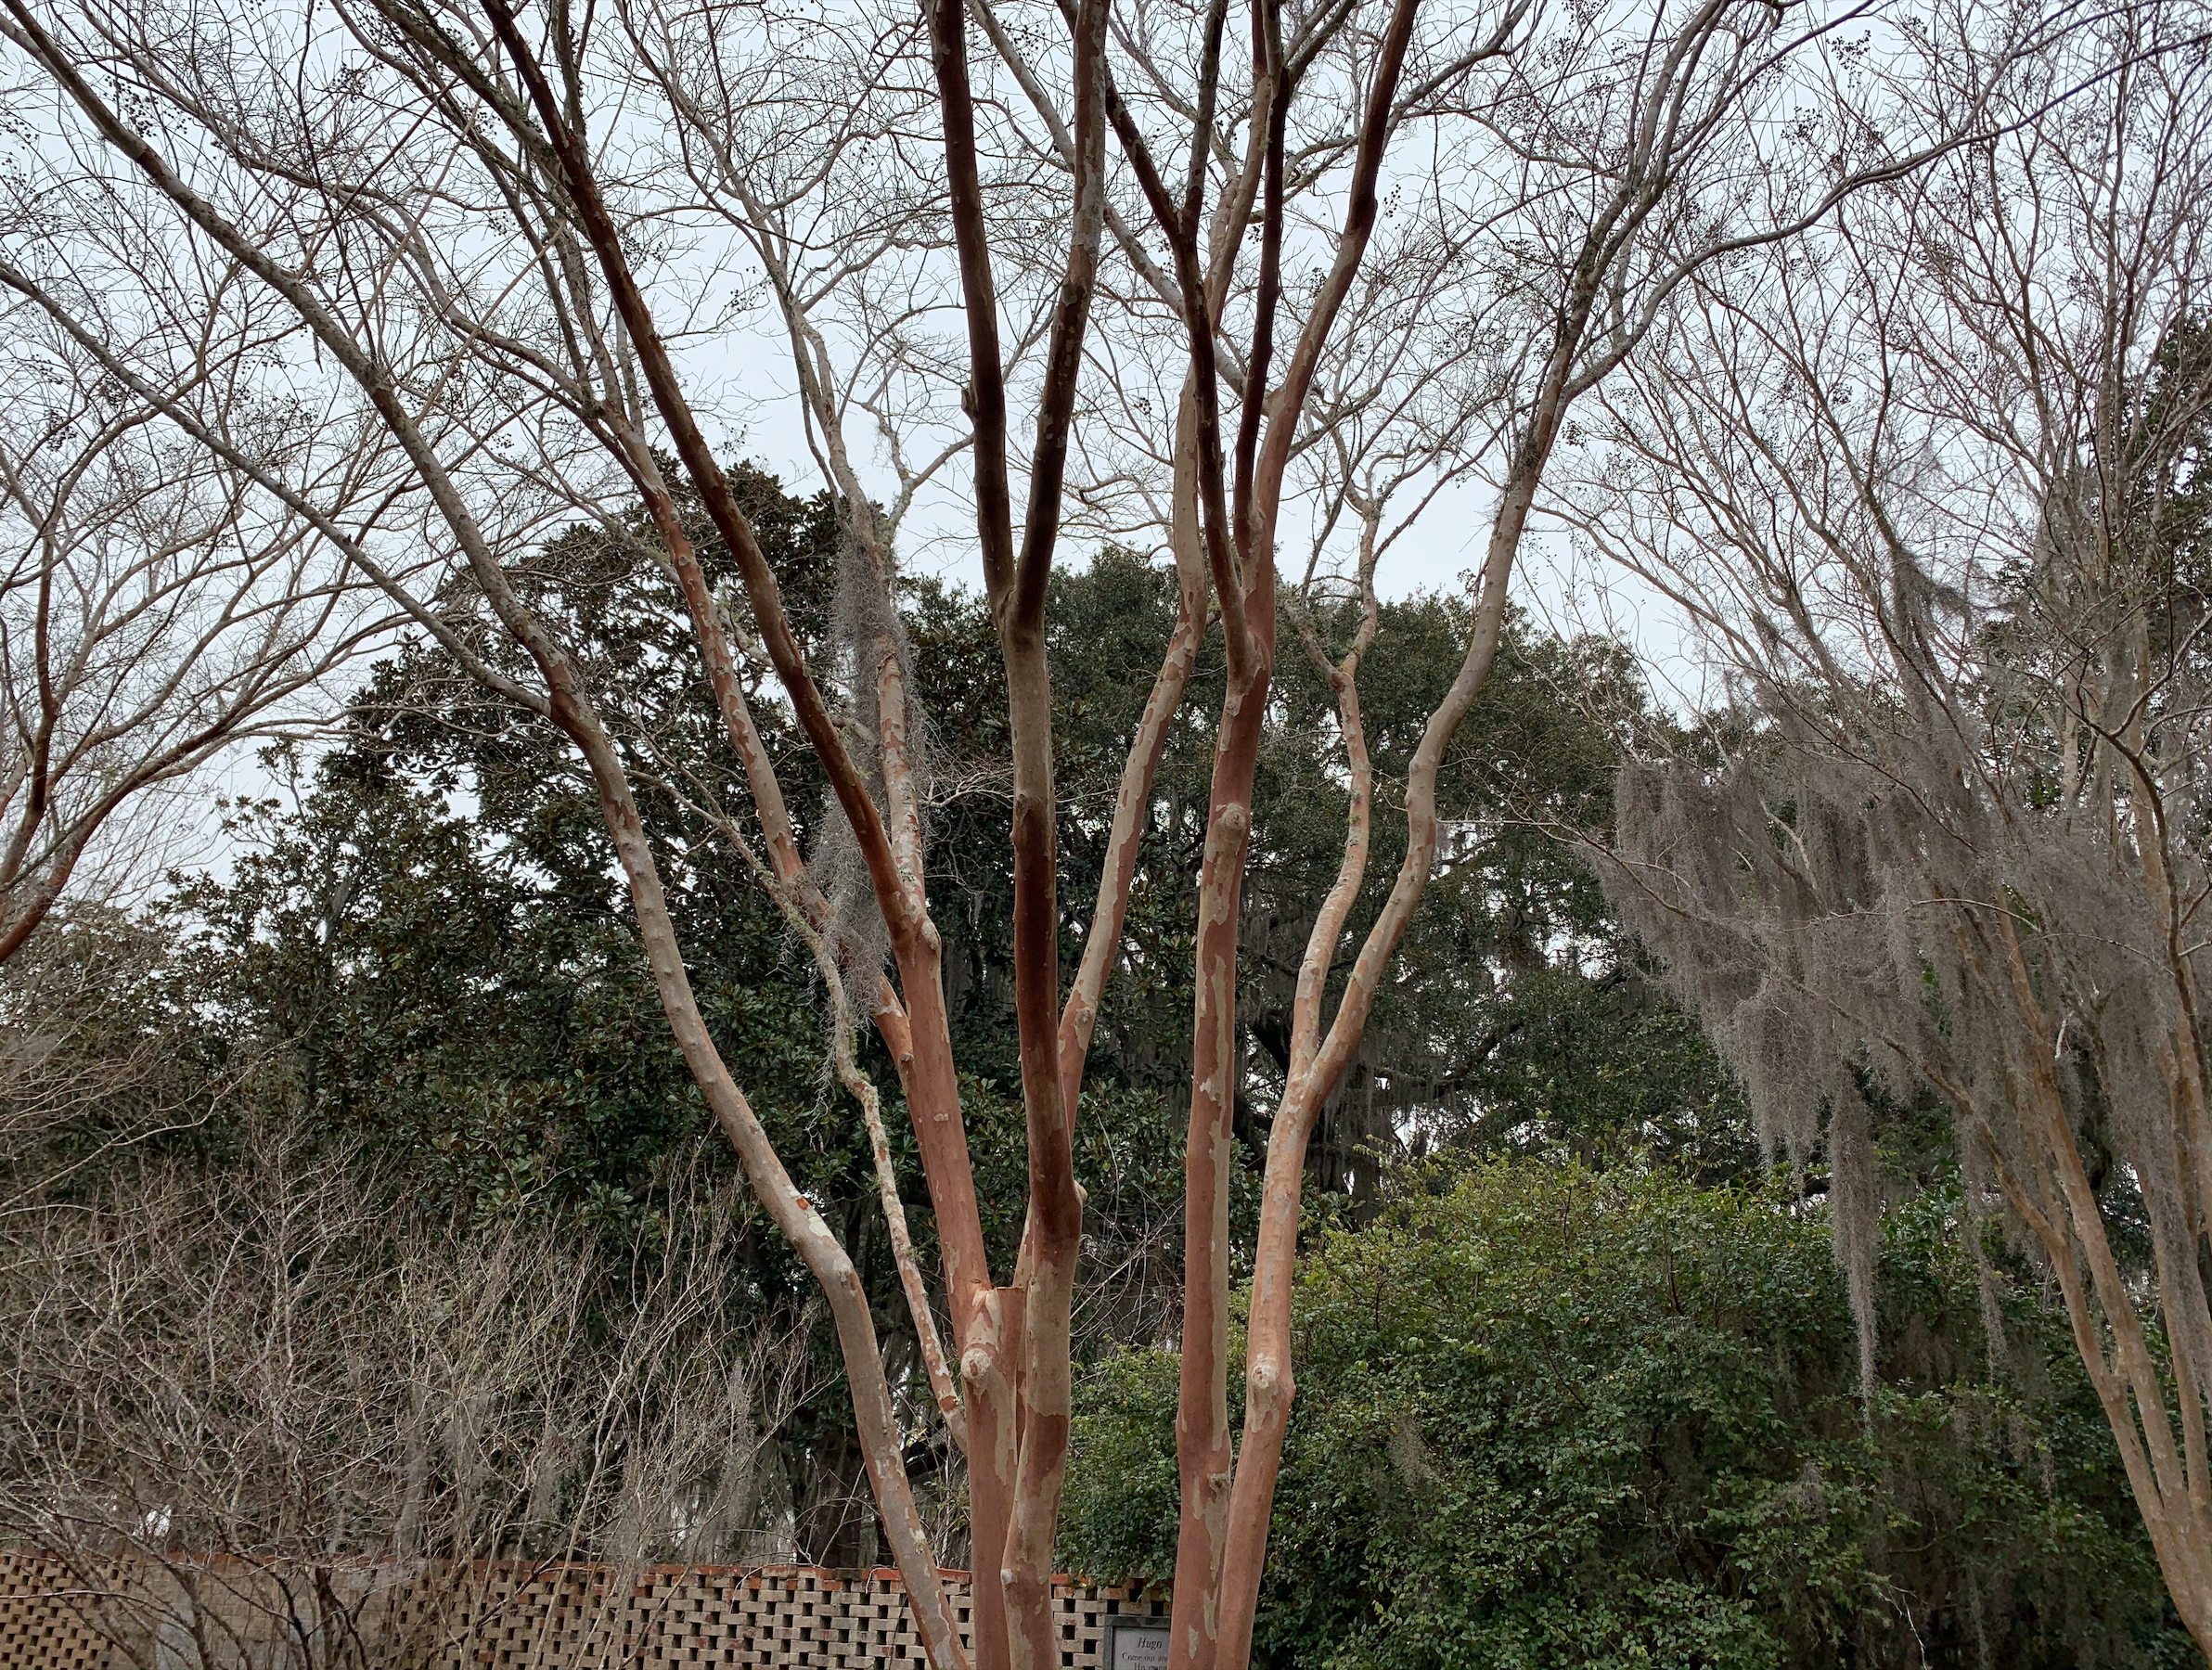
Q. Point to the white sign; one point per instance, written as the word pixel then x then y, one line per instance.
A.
pixel 1136 1644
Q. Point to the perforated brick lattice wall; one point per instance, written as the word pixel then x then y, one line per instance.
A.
pixel 230 1615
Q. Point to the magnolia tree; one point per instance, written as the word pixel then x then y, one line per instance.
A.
pixel 1931 496
pixel 1249 287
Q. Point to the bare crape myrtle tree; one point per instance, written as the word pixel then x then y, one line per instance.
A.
pixel 156 607
pixel 1932 494
pixel 258 1417
pixel 1243 286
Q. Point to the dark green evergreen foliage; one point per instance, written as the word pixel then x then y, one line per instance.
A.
pixel 1549 1420
pixel 1600 1068
pixel 484 1019
pixel 1513 966
pixel 437 934
pixel 95 1059
pixel 436 937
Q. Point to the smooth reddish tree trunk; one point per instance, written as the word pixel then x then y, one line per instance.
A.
pixel 1203 1444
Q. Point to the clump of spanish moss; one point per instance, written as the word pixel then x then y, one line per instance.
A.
pixel 1947 844
pixel 866 631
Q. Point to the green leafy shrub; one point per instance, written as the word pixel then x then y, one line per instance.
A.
pixel 1549 1420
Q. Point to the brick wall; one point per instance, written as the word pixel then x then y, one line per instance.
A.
pixel 227 1614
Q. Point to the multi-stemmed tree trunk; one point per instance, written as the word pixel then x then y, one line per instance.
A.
pixel 1166 233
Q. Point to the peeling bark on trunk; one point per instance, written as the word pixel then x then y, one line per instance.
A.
pixel 1203 1453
